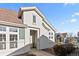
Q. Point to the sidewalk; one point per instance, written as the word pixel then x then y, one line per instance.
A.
pixel 35 52
pixel 40 53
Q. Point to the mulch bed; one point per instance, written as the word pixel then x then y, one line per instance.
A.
pixel 49 50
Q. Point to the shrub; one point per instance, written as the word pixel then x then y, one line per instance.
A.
pixel 63 50
pixel 69 48
pixel 51 50
pixel 59 50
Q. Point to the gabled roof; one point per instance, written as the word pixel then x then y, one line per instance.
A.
pixel 38 12
pixel 9 16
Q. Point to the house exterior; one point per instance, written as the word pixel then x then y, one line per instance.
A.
pixel 60 37
pixel 22 31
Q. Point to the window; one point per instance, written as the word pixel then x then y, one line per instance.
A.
pixel 2 28
pixel 34 19
pixel 2 41
pixel 50 35
pixel 13 40
pixel 21 33
pixel 13 29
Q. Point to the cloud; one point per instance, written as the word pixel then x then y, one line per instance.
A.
pixel 75 14
pixel 67 4
pixel 73 20
pixel 62 23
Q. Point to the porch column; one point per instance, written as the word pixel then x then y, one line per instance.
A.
pixel 7 39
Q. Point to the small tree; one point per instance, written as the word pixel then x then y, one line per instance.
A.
pixel 70 39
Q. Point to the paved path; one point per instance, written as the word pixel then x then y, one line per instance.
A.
pixel 40 53
pixel 35 52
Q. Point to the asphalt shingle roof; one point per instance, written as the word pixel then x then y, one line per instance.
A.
pixel 9 16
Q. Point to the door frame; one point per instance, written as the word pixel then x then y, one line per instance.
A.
pixel 33 38
pixel 38 33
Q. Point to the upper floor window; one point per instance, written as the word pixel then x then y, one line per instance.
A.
pixel 34 19
pixel 50 33
pixel 2 28
pixel 12 29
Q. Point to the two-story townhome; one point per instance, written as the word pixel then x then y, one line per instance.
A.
pixel 22 31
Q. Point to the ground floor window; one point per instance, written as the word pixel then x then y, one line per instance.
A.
pixel 2 41
pixel 8 37
pixel 13 40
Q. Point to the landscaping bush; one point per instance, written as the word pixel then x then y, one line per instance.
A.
pixel 51 50
pixel 69 48
pixel 63 50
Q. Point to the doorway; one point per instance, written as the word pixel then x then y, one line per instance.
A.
pixel 33 38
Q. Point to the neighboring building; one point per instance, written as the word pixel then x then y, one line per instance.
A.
pixel 22 31
pixel 77 34
pixel 72 40
pixel 77 38
pixel 61 37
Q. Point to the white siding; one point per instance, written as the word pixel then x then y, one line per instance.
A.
pixel 21 48
pixel 28 19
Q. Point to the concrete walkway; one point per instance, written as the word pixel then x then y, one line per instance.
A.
pixel 40 53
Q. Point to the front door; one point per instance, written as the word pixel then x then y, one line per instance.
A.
pixel 33 37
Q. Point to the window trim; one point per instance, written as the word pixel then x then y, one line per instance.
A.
pixel 16 42
pixel 34 19
pixel 3 28
pixel 13 29
pixel 51 35
pixel 3 42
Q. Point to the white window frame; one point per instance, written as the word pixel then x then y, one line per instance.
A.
pixel 13 41
pixel 7 33
pixel 3 32
pixel 13 28
pixel 2 28
pixel 50 35
pixel 14 33
pixel 34 19
pixel 3 41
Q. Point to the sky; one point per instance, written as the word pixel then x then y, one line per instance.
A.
pixel 63 16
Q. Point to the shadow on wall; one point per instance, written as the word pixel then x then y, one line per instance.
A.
pixel 43 42
pixel 22 50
